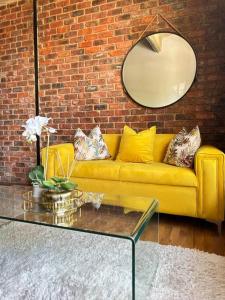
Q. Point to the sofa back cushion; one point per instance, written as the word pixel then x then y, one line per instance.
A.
pixel 137 147
pixel 113 143
pixel 161 143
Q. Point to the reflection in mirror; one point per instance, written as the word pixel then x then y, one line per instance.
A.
pixel 159 69
pixel 155 42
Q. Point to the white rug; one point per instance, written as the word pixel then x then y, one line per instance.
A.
pixel 39 263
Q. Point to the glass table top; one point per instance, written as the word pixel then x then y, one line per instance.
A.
pixel 114 215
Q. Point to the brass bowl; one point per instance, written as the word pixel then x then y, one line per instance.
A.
pixel 53 196
pixel 60 202
pixel 53 202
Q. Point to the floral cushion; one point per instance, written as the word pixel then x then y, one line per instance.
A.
pixel 90 147
pixel 182 148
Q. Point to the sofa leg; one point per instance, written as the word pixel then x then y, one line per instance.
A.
pixel 219 225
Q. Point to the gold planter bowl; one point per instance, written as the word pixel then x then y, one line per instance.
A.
pixel 61 202
pixel 60 208
pixel 52 202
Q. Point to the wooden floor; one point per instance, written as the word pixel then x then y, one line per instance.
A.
pixel 190 233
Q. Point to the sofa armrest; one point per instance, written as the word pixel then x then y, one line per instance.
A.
pixel 59 157
pixel 209 168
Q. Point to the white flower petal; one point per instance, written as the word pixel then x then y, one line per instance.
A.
pixel 38 130
pixel 52 130
pixel 33 138
pixel 41 121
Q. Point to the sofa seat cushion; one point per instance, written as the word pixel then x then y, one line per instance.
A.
pixel 97 169
pixel 157 173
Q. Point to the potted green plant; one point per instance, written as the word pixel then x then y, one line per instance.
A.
pixel 59 184
pixel 36 176
pixel 55 186
pixel 58 189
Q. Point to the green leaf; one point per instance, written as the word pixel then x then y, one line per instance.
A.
pixel 36 174
pixel 40 175
pixel 32 176
pixel 68 186
pixel 49 184
pixel 40 169
pixel 58 180
pixel 40 172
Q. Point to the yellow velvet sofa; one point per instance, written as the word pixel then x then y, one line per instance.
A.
pixel 197 192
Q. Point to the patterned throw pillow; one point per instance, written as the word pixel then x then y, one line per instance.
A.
pixel 90 147
pixel 182 148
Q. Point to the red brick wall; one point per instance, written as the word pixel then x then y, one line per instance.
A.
pixel 82 45
pixel 16 90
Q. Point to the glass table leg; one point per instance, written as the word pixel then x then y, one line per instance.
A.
pixel 133 270
pixel 145 260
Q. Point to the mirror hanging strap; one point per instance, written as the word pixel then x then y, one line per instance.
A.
pixel 164 19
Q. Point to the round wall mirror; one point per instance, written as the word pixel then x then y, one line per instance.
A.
pixel 159 69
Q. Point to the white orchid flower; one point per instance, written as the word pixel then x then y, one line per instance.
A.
pixel 40 123
pixel 35 126
pixel 52 130
pixel 30 137
pixel 43 121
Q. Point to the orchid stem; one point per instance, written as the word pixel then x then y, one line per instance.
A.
pixel 71 168
pixel 46 159
pixel 60 163
pixel 68 164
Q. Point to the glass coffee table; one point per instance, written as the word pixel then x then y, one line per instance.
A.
pixel 117 216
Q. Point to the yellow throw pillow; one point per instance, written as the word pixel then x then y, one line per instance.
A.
pixel 137 147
